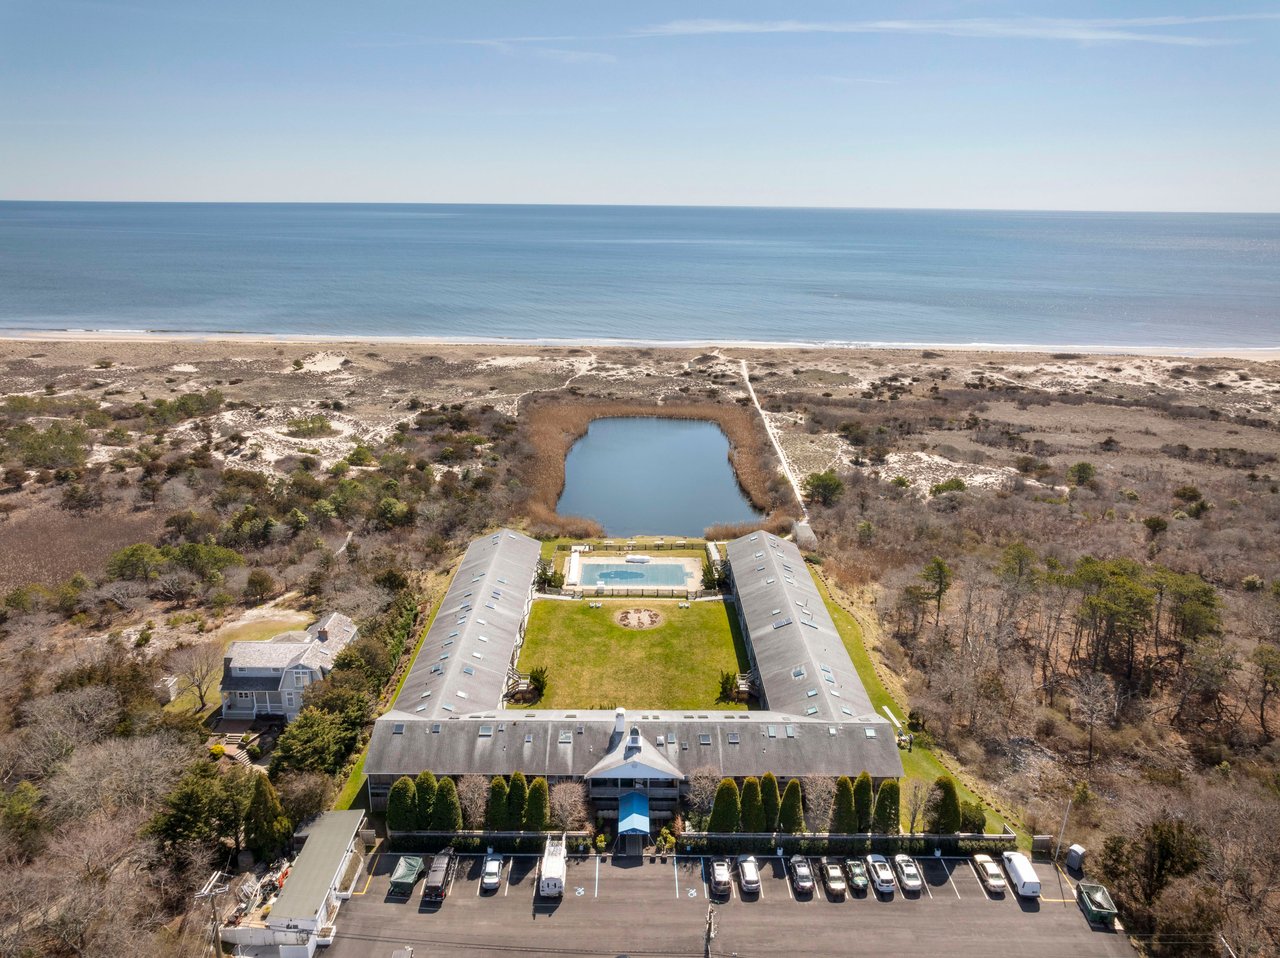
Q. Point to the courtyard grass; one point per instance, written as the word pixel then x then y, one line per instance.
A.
pixel 592 662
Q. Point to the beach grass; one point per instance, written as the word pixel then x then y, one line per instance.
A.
pixel 592 662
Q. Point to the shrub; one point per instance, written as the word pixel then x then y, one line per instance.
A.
pixel 887 816
pixel 942 813
pixel 446 811
pixel 537 811
pixel 844 817
pixel 496 814
pixel 1081 473
pixel 770 801
pixel 862 803
pixel 425 786
pixel 954 484
pixel 973 818
pixel 752 807
pixel 517 799
pixel 791 815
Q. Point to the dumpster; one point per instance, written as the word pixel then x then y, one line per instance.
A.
pixel 407 872
pixel 1096 903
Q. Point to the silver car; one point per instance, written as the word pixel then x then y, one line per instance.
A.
pixel 909 876
pixel 491 875
pixel 749 874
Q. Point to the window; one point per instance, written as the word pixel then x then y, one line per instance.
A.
pixel 397 729
pixel 566 738
pixel 453 634
pixel 483 638
pixel 798 672
pixel 435 728
pixel 299 680
pixel 704 739
pixel 461 694
pixel 425 695
pixel 528 738
pixel 476 655
pixel 437 669
pixel 447 707
pixel 490 605
pixel 846 710
pixel 734 738
pixel 811 710
pixel 869 732
pixel 661 742
pixel 421 708
pixel 486 731
pixel 759 555
pixel 447 644
pixel 785 620
pixel 468 670
pixel 244 695
pixel 443 657
pixel 811 693
pixel 773 731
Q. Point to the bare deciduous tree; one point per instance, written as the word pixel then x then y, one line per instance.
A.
pixel 198 669
pixel 128 773
pixel 1095 701
pixel 703 782
pixel 569 809
pixel 819 793
pixel 473 796
pixel 917 797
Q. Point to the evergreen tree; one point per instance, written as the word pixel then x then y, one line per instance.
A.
pixel 402 806
pixel 537 811
pixel 425 784
pixel 844 817
pixel 770 800
pixel 496 815
pixel 973 818
pixel 727 810
pixel 517 798
pixel 862 800
pixel 752 807
pixel 887 816
pixel 791 816
pixel 266 826
pixel 446 811
pixel 942 813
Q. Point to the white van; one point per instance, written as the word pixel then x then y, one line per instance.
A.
pixel 1022 877
pixel 551 871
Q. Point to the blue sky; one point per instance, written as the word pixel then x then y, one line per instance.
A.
pixel 1135 106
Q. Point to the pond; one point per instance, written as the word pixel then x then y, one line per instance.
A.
pixel 653 477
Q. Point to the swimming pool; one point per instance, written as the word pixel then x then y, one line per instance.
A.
pixel 634 575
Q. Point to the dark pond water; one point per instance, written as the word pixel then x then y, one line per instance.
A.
pixel 653 477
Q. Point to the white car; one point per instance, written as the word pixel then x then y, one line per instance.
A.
pixel 749 874
pixel 491 875
pixel 881 874
pixel 908 873
pixel 989 873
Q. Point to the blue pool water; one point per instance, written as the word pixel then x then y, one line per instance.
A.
pixel 634 575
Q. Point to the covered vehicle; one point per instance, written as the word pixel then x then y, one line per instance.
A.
pixel 440 875
pixel 406 874
pixel 855 870
pixel 1096 903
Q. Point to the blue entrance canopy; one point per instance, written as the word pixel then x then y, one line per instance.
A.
pixel 633 814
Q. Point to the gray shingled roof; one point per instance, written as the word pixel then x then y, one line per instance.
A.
pixel 467 653
pixel 843 735
pixel 303 647
pixel 502 742
pixel 803 665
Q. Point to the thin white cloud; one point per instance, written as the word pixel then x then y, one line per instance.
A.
pixel 575 56
pixel 1120 30
pixel 871 80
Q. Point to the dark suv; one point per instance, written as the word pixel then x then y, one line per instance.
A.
pixel 440 875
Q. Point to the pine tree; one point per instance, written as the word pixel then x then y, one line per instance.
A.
pixel 402 806
pixel 791 816
pixel 727 810
pixel 862 803
pixel 266 827
pixel 496 815
pixel 426 787
pixel 537 810
pixel 770 801
pixel 517 798
pixel 844 818
pixel 888 815
pixel 752 807
pixel 446 811
pixel 942 814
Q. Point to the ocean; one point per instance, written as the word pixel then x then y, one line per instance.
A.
pixel 644 274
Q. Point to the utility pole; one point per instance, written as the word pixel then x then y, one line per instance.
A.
pixel 1061 832
pixel 213 888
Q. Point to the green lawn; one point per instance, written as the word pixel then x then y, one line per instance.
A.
pixel 919 763
pixel 593 663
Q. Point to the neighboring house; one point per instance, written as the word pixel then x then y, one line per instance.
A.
pixel 268 678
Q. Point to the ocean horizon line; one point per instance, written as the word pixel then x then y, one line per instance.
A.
pixel 653 206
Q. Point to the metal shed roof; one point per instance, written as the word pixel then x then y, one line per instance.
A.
pixel 313 873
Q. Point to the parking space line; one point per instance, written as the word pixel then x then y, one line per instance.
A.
pixel 507 887
pixel 675 873
pixel 368 881
pixel 950 882
pixel 597 891
pixel 706 892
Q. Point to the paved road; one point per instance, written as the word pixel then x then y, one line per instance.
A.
pixel 658 909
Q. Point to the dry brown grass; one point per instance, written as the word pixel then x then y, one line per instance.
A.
pixel 778 523
pixel 46 545
pixel 552 423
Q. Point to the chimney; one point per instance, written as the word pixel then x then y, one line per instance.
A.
pixel 620 720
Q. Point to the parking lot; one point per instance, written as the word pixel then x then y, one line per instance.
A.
pixel 625 907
